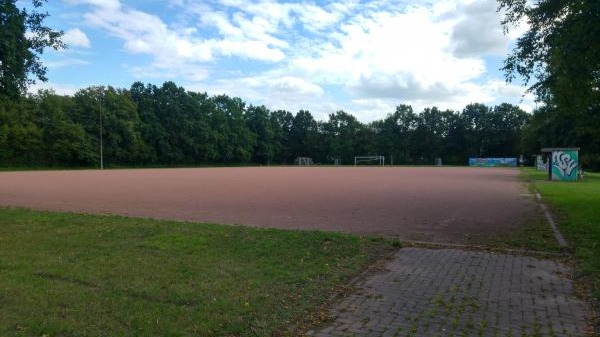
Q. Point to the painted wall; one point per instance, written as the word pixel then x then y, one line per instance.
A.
pixel 540 164
pixel 565 165
pixel 493 162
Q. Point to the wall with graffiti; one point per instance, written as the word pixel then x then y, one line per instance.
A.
pixel 493 162
pixel 540 163
pixel 565 165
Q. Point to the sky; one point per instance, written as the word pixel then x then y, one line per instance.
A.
pixel 363 57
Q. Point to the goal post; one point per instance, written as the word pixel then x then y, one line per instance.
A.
pixel 303 161
pixel 380 160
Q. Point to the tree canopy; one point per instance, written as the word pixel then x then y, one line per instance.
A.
pixel 168 125
pixel 560 53
pixel 23 38
pixel 559 58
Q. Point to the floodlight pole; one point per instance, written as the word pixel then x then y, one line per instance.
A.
pixel 101 129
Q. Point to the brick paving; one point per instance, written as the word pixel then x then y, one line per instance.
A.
pixel 452 292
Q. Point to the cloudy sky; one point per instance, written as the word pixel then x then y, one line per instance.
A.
pixel 363 57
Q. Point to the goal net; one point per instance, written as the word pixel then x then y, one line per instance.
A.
pixel 303 161
pixel 363 160
pixel 335 160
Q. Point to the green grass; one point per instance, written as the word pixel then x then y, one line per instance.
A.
pixel 576 205
pixel 67 274
pixel 535 234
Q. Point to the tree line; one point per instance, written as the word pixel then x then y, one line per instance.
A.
pixel 558 56
pixel 151 125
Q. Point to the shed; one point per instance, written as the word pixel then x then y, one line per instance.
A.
pixel 563 163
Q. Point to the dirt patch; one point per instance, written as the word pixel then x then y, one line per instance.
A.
pixel 430 204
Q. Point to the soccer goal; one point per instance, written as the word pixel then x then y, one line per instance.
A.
pixel 303 161
pixel 379 160
pixel 335 160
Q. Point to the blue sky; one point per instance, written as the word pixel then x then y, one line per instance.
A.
pixel 364 57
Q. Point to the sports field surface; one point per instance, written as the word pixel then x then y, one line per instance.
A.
pixel 445 204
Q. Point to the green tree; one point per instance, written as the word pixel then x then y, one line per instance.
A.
pixel 23 38
pixel 177 114
pixel 303 134
pixel 396 134
pixel 504 127
pixel 342 130
pixel 122 139
pixel 174 124
pixel 366 142
pixel 432 128
pixel 260 124
pixel 281 122
pixel 21 138
pixel 151 129
pixel 199 129
pixel 476 121
pixel 559 57
pixel 537 133
pixel 234 140
pixel 560 53
pixel 65 143
pixel 455 142
pixel 87 111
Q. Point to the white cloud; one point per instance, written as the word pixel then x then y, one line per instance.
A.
pixel 58 88
pixel 76 38
pixel 190 72
pixel 510 93
pixel 404 87
pixel 479 31
pixel 255 50
pixel 108 4
pixel 146 33
pixel 378 55
pixel 308 55
pixel 315 18
pixel 288 90
pixel 367 110
pixel 66 62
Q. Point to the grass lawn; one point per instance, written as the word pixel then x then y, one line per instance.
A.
pixel 576 205
pixel 81 275
pixel 535 235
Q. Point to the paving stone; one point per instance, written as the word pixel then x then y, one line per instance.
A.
pixel 453 292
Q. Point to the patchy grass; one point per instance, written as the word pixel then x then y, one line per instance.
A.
pixel 534 235
pixel 576 207
pixel 82 275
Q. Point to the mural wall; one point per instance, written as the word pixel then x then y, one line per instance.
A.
pixel 540 164
pixel 565 165
pixel 493 162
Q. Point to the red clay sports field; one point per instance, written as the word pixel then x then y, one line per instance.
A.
pixel 443 204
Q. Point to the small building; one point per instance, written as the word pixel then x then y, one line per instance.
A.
pixel 541 164
pixel 563 163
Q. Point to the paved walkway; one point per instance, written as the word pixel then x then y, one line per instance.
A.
pixel 451 292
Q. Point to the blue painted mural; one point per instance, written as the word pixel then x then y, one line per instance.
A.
pixel 493 162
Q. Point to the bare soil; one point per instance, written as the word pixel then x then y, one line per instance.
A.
pixel 445 204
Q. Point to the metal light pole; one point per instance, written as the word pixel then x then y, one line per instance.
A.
pixel 101 141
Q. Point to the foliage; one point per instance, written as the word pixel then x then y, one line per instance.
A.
pixel 23 37
pixel 82 275
pixel 168 125
pixel 559 57
pixel 560 52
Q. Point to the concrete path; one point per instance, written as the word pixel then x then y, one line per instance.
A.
pixel 451 292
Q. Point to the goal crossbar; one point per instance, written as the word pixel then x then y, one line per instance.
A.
pixel 363 159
